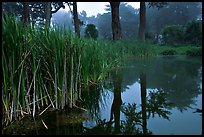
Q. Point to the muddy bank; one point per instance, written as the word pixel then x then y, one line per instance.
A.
pixel 45 123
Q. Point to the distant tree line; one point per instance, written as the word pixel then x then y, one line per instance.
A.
pixel 126 22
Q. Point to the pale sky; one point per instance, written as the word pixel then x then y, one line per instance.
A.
pixel 93 8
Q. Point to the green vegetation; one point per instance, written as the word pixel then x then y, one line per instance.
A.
pixel 45 68
pixel 168 52
pixel 91 31
pixel 172 34
pixel 190 33
pixel 194 52
pixel 48 67
pixel 179 50
pixel 193 33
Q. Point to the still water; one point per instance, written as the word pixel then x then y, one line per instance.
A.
pixel 152 96
pixel 159 96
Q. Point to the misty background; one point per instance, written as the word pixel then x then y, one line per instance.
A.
pixel 178 13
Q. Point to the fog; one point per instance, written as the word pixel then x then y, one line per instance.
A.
pixel 178 13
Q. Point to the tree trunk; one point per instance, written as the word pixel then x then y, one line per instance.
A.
pixel 117 101
pixel 26 13
pixel 143 98
pixel 76 20
pixel 141 34
pixel 48 13
pixel 116 28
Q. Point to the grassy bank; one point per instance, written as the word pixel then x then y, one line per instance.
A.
pixel 188 50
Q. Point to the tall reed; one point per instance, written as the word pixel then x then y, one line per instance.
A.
pixel 48 67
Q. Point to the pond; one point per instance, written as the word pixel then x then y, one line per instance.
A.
pixel 158 96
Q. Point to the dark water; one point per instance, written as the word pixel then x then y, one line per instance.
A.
pixel 146 96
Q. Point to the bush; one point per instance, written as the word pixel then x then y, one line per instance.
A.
pixel 91 31
pixel 172 34
pixel 194 52
pixel 168 52
pixel 193 34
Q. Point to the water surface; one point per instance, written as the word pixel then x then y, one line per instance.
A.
pixel 156 96
pixel 165 90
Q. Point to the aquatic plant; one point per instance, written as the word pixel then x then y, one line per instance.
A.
pixel 48 67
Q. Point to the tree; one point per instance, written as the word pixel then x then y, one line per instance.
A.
pixel 15 8
pixel 76 20
pixel 26 13
pixel 91 31
pixel 129 18
pixel 141 34
pixel 178 14
pixel 104 26
pixel 34 12
pixel 48 13
pixel 173 34
pixel 63 19
pixel 116 28
pixel 193 34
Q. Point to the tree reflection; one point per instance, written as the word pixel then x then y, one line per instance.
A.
pixel 103 126
pixel 179 77
pixel 117 101
pixel 135 117
pixel 144 102
pixel 91 97
pixel 154 103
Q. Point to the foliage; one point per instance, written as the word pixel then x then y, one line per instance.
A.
pixel 104 26
pixel 193 32
pixel 178 13
pixel 91 31
pixel 50 62
pixel 194 52
pixel 129 18
pixel 149 36
pixel 168 52
pixel 37 10
pixel 50 67
pixel 172 34
pixel 179 50
pixel 190 33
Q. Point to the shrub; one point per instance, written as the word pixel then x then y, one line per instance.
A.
pixel 172 34
pixel 194 52
pixel 193 34
pixel 168 52
pixel 91 31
